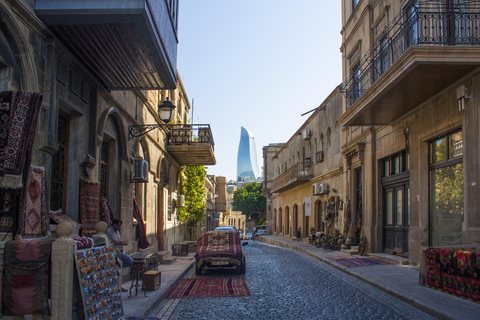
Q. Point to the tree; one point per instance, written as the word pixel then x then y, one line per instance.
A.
pixel 193 188
pixel 250 200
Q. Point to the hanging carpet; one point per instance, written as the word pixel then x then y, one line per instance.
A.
pixel 89 206
pixel 141 233
pixel 25 289
pixel 19 111
pixel 60 216
pixel 209 288
pixel 34 218
pixel 106 213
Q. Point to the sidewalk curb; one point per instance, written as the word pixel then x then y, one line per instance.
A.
pixel 145 309
pixel 416 304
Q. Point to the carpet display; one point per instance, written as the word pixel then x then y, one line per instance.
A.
pixel 25 289
pixel 89 206
pixel 139 318
pixel 60 216
pixel 106 213
pixel 34 219
pixel 83 243
pixel 361 262
pixel 19 111
pixel 141 233
pixel 214 243
pixel 209 288
pixel 457 272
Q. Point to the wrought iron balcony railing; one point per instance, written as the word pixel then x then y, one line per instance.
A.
pixel 190 134
pixel 412 28
pixel 296 175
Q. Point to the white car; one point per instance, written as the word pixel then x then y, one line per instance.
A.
pixel 248 236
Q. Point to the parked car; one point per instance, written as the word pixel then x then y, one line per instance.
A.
pixel 225 228
pixel 240 233
pixel 248 236
pixel 260 232
pixel 219 250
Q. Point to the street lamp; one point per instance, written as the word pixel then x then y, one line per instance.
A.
pixel 165 111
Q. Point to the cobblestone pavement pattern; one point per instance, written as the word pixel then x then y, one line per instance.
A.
pixel 289 285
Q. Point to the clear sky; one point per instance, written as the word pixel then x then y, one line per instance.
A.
pixel 258 64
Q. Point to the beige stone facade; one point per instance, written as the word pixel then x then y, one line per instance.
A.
pixel 303 181
pixel 404 156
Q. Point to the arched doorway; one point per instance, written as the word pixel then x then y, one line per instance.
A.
pixel 162 205
pixel 274 220
pixel 280 221
pixel 287 222
pixel 295 220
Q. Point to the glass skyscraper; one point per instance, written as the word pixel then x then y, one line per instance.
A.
pixel 247 163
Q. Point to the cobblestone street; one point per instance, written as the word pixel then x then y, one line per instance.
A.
pixel 290 285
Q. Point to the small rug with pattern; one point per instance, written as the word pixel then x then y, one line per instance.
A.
pixel 60 216
pixel 89 206
pixel 185 258
pixel 209 288
pixel 140 318
pixel 361 262
pixel 34 218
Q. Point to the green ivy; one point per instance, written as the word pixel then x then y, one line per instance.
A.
pixel 193 188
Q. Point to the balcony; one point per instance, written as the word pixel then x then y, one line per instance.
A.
pixel 125 44
pixel 191 144
pixel 296 175
pixel 419 55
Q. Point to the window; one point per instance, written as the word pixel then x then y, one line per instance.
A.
pixel 329 142
pixel 395 164
pixel 446 189
pixel 59 167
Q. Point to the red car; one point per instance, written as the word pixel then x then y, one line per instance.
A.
pixel 219 250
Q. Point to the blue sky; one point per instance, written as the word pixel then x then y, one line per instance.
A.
pixel 258 64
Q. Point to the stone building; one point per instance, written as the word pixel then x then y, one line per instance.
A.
pixel 410 78
pixel 303 178
pixel 102 68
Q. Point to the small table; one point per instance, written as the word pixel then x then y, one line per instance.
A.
pixel 137 270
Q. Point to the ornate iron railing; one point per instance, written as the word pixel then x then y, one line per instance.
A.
pixel 411 28
pixel 298 172
pixel 190 134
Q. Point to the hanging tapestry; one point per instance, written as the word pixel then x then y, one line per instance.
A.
pixel 89 206
pixel 60 216
pixel 359 218
pixel 33 221
pixel 106 213
pixel 19 111
pixel 142 235
pixel 25 289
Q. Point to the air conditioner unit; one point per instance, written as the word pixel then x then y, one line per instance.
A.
pixel 306 134
pixel 140 170
pixel 320 188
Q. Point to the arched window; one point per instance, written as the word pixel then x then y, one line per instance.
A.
pixel 329 143
pixel 321 143
pixel 337 137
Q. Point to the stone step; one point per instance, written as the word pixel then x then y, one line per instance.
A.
pixel 390 258
pixel 169 260
pixel 350 251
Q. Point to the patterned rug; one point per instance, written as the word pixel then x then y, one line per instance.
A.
pixel 138 318
pixel 89 206
pixel 25 289
pixel 19 111
pixel 361 262
pixel 142 235
pixel 34 220
pixel 209 288
pixel 185 258
pixel 60 216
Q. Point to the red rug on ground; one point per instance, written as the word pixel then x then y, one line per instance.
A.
pixel 209 288
pixel 361 262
